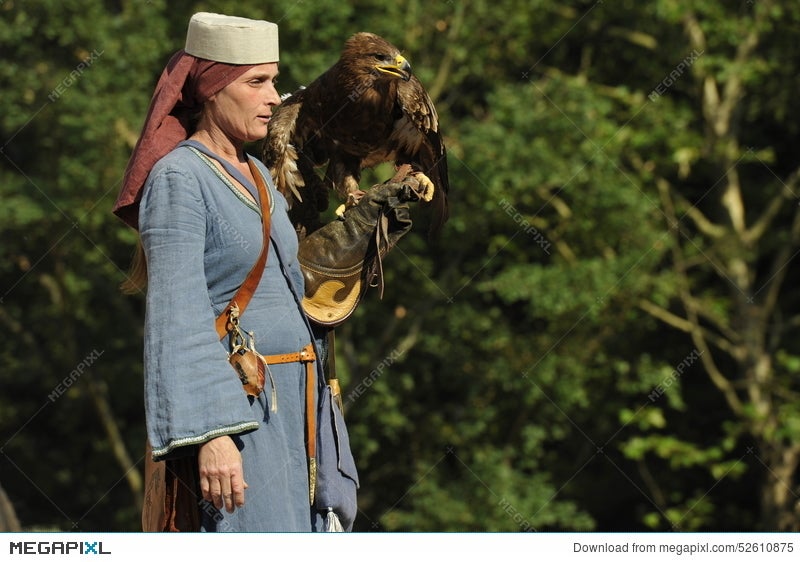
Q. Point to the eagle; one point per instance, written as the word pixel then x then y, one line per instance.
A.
pixel 366 109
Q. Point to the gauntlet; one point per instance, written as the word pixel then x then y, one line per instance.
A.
pixel 343 258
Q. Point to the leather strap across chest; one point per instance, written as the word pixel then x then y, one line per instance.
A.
pixel 306 355
pixel 245 292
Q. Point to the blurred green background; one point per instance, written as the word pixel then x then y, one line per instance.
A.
pixel 604 338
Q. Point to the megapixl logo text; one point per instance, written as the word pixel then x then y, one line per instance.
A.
pixel 57 547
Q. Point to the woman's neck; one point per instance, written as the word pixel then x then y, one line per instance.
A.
pixel 219 143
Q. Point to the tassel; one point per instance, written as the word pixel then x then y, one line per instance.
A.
pixel 274 396
pixel 332 523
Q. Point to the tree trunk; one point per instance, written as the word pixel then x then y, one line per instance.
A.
pixel 754 300
pixel 780 506
pixel 8 517
pixel 99 392
pixel 779 458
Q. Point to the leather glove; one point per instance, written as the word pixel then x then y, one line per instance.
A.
pixel 343 258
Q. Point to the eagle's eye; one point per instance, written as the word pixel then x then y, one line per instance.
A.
pixel 379 56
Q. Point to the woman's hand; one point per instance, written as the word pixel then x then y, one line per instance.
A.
pixel 221 473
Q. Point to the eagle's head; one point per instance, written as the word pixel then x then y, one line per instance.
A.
pixel 368 53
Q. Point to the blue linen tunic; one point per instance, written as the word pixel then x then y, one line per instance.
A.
pixel 201 237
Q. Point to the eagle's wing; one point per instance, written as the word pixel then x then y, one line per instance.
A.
pixel 420 143
pixel 291 152
pixel 280 148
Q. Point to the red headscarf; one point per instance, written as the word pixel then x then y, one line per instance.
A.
pixel 185 85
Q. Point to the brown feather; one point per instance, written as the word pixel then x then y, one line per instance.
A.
pixel 364 110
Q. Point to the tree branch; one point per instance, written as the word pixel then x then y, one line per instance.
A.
pixel 702 223
pixel 760 226
pixel 693 324
pixel 634 37
pixel 688 327
pixel 778 270
pixel 99 394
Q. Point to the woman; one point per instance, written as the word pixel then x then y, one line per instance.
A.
pixel 189 191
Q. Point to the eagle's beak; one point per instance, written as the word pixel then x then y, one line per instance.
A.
pixel 401 68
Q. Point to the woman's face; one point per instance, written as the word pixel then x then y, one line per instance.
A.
pixel 243 108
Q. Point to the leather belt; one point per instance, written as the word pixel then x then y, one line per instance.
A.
pixel 307 356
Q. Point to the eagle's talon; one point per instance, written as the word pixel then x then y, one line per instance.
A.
pixel 426 187
pixel 353 199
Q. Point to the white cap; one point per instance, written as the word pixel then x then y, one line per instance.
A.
pixel 231 39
